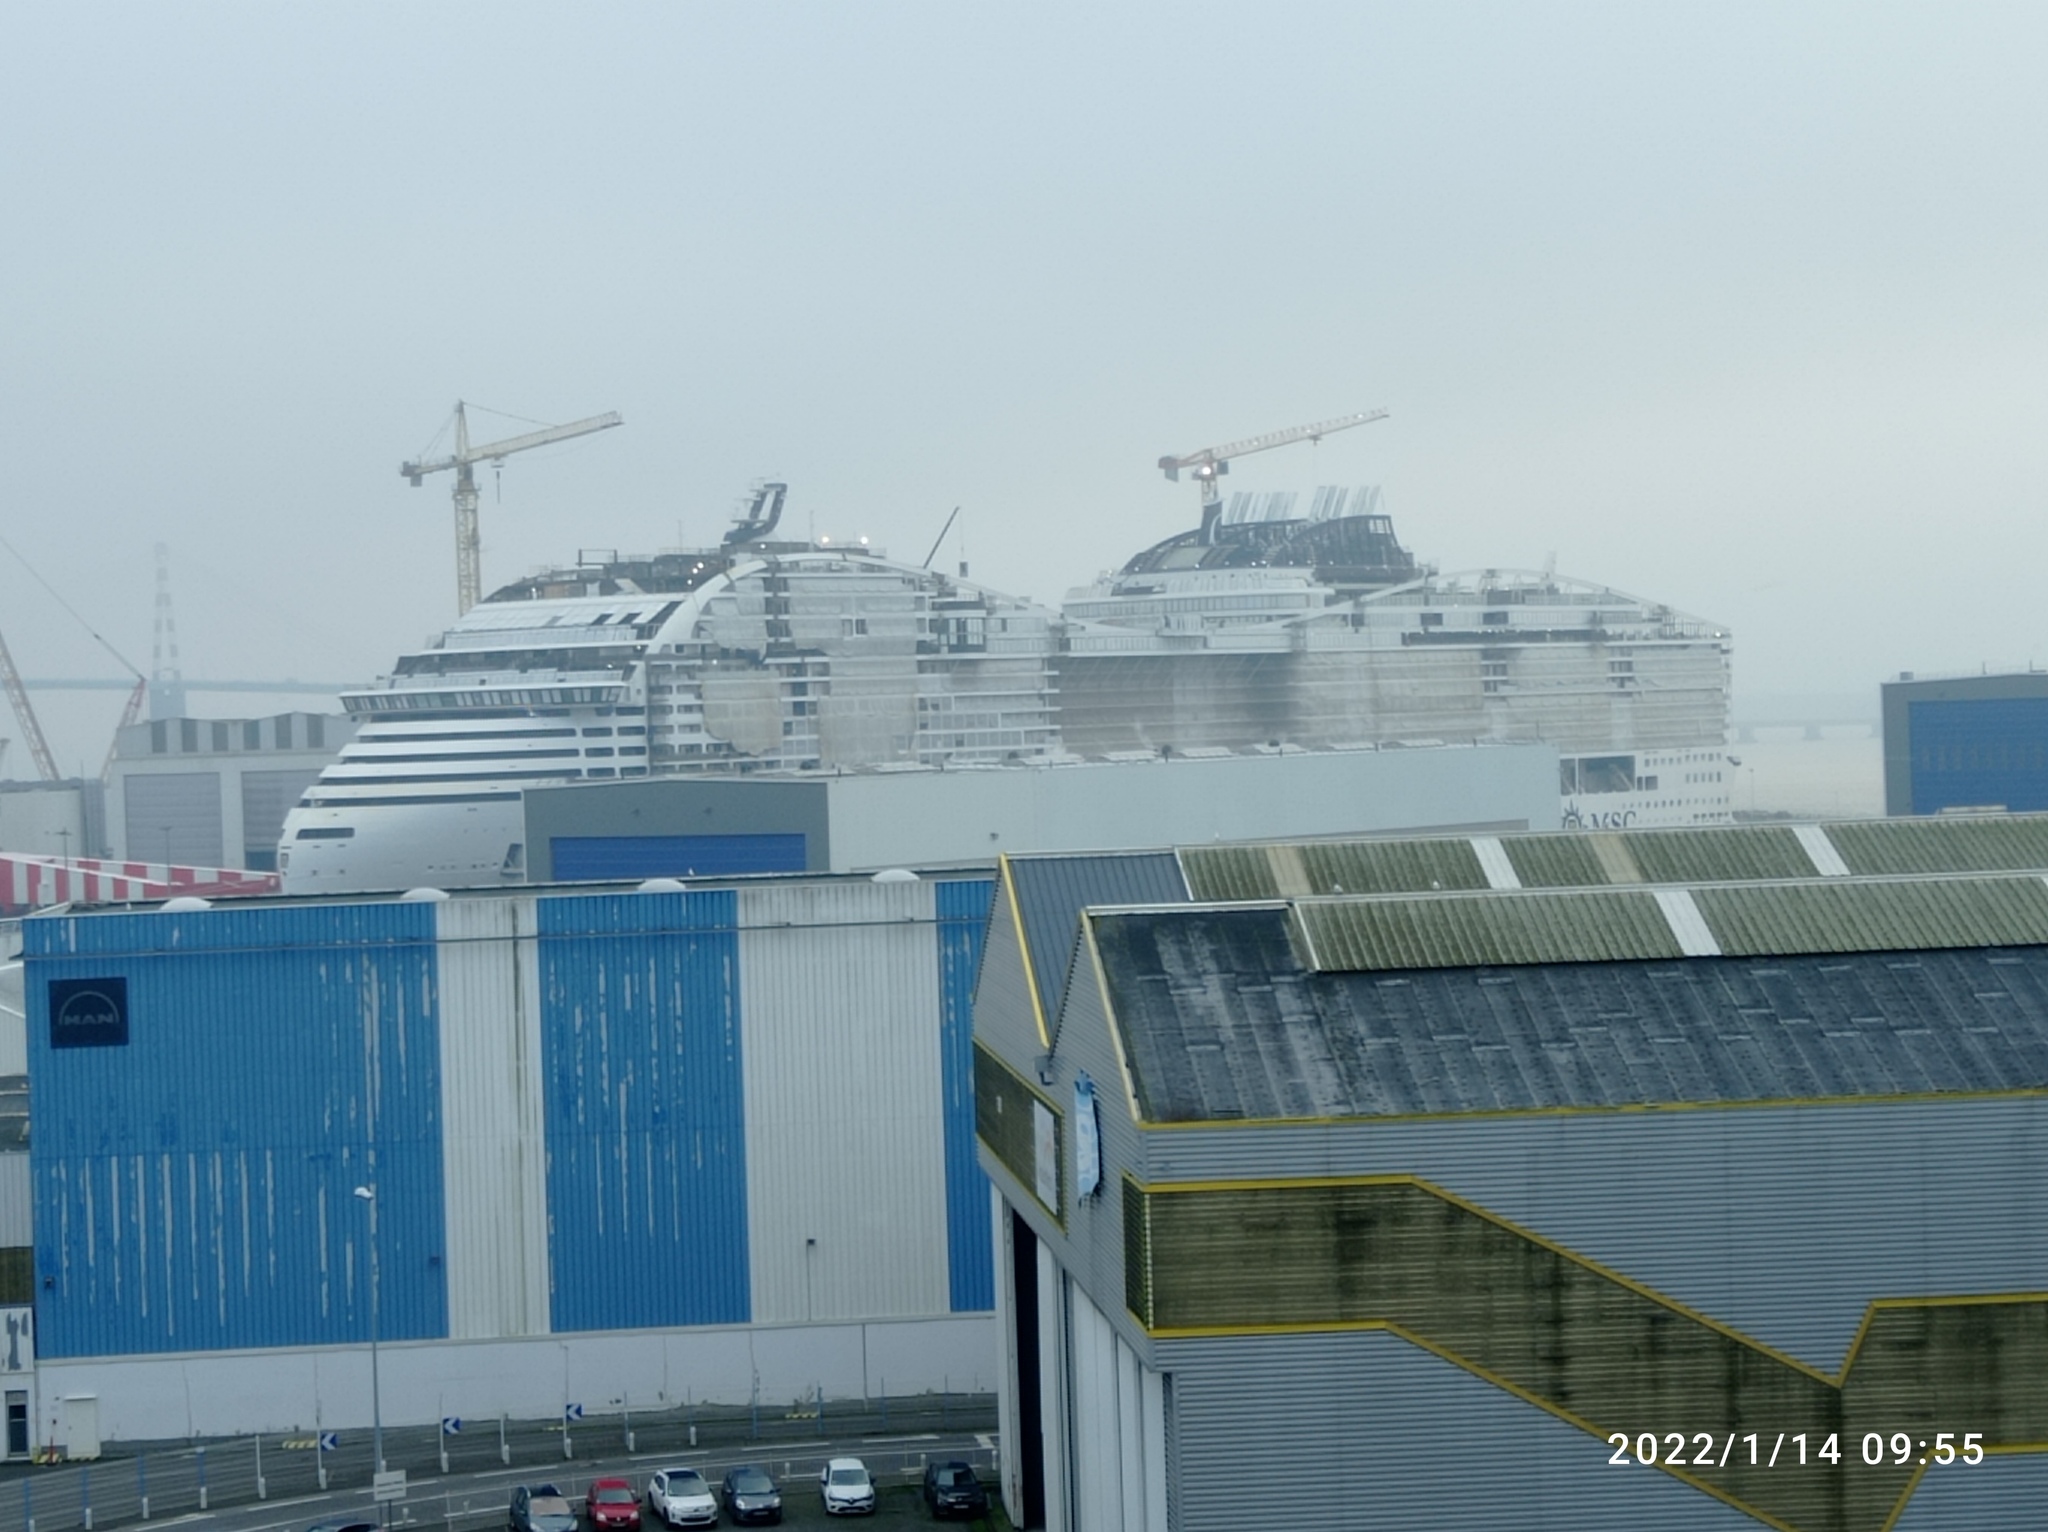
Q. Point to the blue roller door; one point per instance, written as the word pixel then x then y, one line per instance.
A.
pixel 595 857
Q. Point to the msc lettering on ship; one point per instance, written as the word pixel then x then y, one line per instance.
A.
pixel 89 1013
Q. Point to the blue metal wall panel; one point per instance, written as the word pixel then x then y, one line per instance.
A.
pixel 1966 754
pixel 657 856
pixel 645 1110
pixel 963 917
pixel 193 1188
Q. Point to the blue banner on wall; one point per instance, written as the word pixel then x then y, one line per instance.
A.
pixel 1087 1139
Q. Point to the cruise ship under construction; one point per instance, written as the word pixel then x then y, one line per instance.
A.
pixel 1276 625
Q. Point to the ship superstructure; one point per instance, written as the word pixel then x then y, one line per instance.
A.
pixel 759 657
pixel 1280 626
pixel 1275 626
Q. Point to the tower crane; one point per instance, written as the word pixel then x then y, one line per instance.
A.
pixel 468 551
pixel 1211 462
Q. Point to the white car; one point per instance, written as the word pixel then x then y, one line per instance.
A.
pixel 847 1488
pixel 682 1497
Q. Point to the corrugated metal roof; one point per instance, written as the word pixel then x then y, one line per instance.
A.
pixel 1331 867
pixel 1719 854
pixel 1052 891
pixel 1554 861
pixel 1220 1021
pixel 1587 926
pixel 1993 843
pixel 1875 917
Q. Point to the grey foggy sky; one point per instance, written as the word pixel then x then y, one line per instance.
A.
pixel 1741 307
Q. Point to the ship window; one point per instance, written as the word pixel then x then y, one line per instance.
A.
pixel 1494 619
pixel 316 732
pixel 600 771
pixel 188 735
pixel 598 750
pixel 1432 619
pixel 252 735
pixel 220 736
pixel 328 832
pixel 283 725
pixel 1607 774
pixel 599 733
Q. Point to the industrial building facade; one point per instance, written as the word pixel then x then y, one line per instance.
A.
pixel 924 817
pixel 213 792
pixel 1966 742
pixel 1522 1181
pixel 711 1141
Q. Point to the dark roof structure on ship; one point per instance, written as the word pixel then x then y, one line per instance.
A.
pixel 1642 969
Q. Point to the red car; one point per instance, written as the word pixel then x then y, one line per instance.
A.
pixel 612 1506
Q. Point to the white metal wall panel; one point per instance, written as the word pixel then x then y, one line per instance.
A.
pixel 1118 1441
pixel 846 1185
pixel 1093 1436
pixel 1052 1387
pixel 1156 1477
pixel 17 1203
pixel 493 1152
pixel 1006 1350
pixel 13 1022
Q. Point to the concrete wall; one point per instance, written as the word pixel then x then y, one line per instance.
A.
pixel 287 1390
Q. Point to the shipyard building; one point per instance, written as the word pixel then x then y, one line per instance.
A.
pixel 645 1146
pixel 1966 743
pixel 1553 1181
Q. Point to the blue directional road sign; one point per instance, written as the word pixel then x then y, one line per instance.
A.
pixel 572 1412
pixel 451 1425
pixel 330 1441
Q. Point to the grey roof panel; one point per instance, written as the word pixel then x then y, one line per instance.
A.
pixel 1053 890
pixel 1220 1021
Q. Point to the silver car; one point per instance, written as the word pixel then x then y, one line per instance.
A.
pixel 682 1497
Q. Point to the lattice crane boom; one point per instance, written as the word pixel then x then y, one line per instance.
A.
pixel 1208 463
pixel 468 547
pixel 31 730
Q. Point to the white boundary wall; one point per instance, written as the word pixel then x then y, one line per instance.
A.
pixel 243 1392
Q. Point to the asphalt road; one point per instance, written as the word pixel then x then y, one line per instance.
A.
pixel 474 1494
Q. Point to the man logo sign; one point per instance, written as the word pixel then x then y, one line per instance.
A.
pixel 89 1013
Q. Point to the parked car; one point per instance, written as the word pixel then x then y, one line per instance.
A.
pixel 682 1497
pixel 951 1489
pixel 612 1506
pixel 846 1488
pixel 541 1508
pixel 750 1495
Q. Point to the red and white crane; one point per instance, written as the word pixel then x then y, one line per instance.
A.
pixel 1210 463
pixel 468 548
pixel 31 729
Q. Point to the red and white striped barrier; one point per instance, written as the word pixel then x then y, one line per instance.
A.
pixel 33 882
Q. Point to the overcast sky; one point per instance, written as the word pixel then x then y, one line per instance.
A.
pixel 1743 307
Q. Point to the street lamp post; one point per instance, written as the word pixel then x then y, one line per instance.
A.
pixel 369 1195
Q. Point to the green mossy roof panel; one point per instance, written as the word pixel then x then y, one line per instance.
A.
pixel 1995 843
pixel 1723 854
pixel 1355 936
pixel 1554 861
pixel 1875 917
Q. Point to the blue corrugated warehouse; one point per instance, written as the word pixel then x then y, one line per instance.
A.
pixel 635 1125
